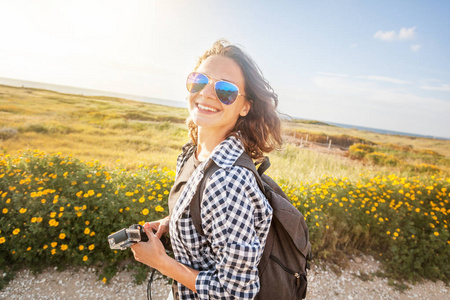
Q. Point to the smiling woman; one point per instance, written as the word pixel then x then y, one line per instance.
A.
pixel 232 112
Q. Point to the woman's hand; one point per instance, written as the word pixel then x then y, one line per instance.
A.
pixel 160 227
pixel 151 253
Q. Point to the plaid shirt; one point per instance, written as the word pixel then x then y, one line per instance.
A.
pixel 235 218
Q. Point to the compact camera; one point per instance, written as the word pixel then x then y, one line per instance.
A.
pixel 126 237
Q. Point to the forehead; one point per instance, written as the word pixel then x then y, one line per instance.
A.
pixel 222 68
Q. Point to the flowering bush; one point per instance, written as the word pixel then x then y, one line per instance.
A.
pixel 403 220
pixel 58 210
pixel 396 156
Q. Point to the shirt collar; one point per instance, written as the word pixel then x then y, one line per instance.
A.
pixel 227 152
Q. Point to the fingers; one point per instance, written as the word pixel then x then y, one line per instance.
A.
pixel 159 228
pixel 149 231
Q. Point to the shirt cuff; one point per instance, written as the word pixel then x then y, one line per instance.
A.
pixel 202 284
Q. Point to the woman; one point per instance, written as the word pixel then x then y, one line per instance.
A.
pixel 232 109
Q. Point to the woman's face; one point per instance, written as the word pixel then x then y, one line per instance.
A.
pixel 207 112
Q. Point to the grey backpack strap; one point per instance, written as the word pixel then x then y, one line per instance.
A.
pixel 195 205
pixel 243 161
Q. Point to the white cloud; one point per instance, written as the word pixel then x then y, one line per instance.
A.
pixel 415 48
pixel 442 88
pixel 385 79
pixel 366 103
pixel 385 35
pixel 404 34
pixel 332 74
pixel 407 33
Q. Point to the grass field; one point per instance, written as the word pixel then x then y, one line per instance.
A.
pixel 119 132
pixel 75 168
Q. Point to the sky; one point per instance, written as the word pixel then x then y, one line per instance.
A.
pixel 381 64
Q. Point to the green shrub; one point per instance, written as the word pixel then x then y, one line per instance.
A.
pixel 58 211
pixel 403 221
pixel 359 151
pixel 7 133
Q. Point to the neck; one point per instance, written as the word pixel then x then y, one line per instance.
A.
pixel 207 141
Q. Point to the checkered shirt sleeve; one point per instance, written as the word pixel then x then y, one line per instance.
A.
pixel 235 218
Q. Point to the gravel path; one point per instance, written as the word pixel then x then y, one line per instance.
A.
pixel 323 284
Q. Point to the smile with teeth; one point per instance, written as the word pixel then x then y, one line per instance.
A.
pixel 202 107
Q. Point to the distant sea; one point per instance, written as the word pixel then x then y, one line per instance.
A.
pixel 382 131
pixel 92 92
pixel 87 92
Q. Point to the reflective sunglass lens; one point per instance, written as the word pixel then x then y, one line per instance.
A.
pixel 196 82
pixel 226 92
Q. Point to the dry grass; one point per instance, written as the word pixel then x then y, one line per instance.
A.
pixel 125 134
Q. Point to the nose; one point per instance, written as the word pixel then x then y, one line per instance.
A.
pixel 209 90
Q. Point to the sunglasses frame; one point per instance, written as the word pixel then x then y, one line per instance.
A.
pixel 210 80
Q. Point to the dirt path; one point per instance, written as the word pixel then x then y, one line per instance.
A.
pixel 323 284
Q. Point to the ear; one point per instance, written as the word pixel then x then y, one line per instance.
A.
pixel 246 108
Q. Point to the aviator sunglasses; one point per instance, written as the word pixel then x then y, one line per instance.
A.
pixel 226 92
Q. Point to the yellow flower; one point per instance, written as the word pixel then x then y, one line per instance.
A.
pixel 45 247
pixel 159 208
pixel 52 214
pixel 388 232
pixel 62 236
pixel 81 247
pixel 395 234
pixel 2 240
pixel 87 231
pixel 53 251
pixel 92 233
pixel 23 210
pixel 54 244
pixel 16 231
pixel 91 247
pixel 52 222
pixel 436 233
pixel 64 247
pixel 85 258
pixel 87 223
pixel 145 211
pixel 5 211
pixel 104 279
pixel 43 201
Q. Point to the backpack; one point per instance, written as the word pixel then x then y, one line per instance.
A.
pixel 284 263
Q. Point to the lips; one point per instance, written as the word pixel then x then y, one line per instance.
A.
pixel 207 108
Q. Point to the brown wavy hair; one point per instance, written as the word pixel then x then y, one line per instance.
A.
pixel 260 129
